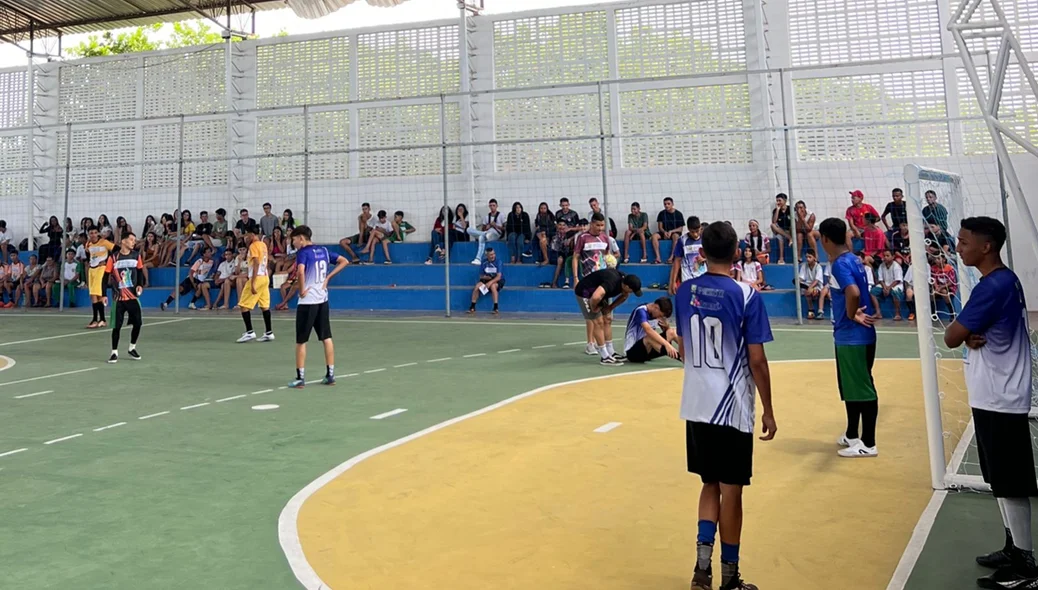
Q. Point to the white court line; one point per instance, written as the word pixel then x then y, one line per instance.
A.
pixel 14 452
pixel 116 425
pixel 266 390
pixel 227 399
pixel 388 414
pixel 472 356
pixel 917 542
pixel 70 335
pixel 403 365
pixel 64 438
pixel 375 370
pixel 608 426
pixel 509 350
pixel 10 362
pixel 545 346
pixel 48 376
pixel 283 387
pixel 575 343
pixel 156 415
pixel 439 360
pixel 350 375
pixel 34 394
pixel 195 406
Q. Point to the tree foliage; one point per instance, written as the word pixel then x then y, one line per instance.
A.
pixel 184 34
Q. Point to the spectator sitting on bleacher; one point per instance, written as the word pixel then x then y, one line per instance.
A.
pixel 275 249
pixel 518 233
pixel 439 234
pixel 597 208
pixel 562 246
pixel 944 283
pixel 15 275
pixel 491 280
pixel 149 225
pixel 290 287
pixel 855 214
pixel 269 221
pixel 934 212
pixel 460 227
pixel 241 269
pixel 196 283
pixel 938 242
pixel 149 250
pixel 364 224
pixel 544 230
pixel 379 232
pixel 187 229
pixel 566 215
pixel 811 280
pixel 758 242
pixel 807 235
pixel 224 280
pixel 899 243
pixel 874 238
pixel 898 212
pixel 217 238
pixel 48 281
pixel 889 284
pixel 781 220
pixel 32 276
pixel 670 225
pixel 491 230
pixel 121 228
pixel 637 225
pixel 750 271
pixel 200 237
pixel 104 228
pixel 5 240
pixel 288 222
pixel 909 294
pixel 401 229
pixel 4 282
pixel 244 226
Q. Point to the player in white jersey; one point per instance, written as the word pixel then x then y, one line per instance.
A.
pixel 648 336
pixel 997 364
pixel 312 311
pixel 722 327
pixel 686 254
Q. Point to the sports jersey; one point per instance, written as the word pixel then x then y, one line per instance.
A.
pixel 875 241
pixel 127 272
pixel 15 271
pixel 97 253
pixel 688 248
pixel 717 319
pixel 258 251
pixel 998 374
pixel 591 251
pixel 315 261
pixel 857 214
pixel 635 332
pixel 490 269
pixel 70 269
pixel 848 270
pixel 201 268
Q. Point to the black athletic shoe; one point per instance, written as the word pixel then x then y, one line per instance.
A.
pixel 135 355
pixel 113 359
pixel 703 579
pixel 994 560
pixel 736 583
pixel 619 356
pixel 1008 578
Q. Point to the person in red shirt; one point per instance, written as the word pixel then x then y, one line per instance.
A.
pixel 856 213
pixel 944 284
pixel 875 239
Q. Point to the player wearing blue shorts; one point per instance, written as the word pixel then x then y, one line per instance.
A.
pixel 997 365
pixel 312 310
pixel 722 327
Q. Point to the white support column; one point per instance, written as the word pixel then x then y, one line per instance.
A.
pixel 354 111
pixel 465 108
pixel 761 103
pixel 481 60
pixel 615 119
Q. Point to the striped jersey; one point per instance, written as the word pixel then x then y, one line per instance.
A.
pixel 97 252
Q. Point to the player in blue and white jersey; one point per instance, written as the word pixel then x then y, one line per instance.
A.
pixel 997 364
pixel 312 264
pixel 722 327
pixel 686 255
pixel 648 336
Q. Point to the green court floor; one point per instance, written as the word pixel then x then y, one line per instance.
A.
pixel 159 474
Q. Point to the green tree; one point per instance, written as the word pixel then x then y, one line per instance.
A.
pixel 187 34
pixel 112 44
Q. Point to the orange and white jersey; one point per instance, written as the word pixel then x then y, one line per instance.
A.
pixel 258 251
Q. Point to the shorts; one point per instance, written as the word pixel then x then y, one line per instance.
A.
pixel 500 283
pixel 639 353
pixel 312 317
pixel 854 372
pixel 261 298
pixel 186 286
pixel 895 293
pixel 1006 457
pixel 585 309
pixel 719 454
pixel 95 280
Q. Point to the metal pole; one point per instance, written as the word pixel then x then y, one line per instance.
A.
pixel 1003 193
pixel 180 215
pixel 68 173
pixel 446 196
pixel 790 153
pixel 306 163
pixel 602 153
pixel 30 206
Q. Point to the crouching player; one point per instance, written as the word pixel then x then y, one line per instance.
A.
pixel 648 335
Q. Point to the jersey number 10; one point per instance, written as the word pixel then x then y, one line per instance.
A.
pixel 706 336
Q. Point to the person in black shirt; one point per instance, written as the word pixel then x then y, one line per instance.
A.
pixel 566 215
pixel 594 292
pixel 899 244
pixel 126 272
pixel 544 230
pixel 898 212
pixel 781 218
pixel 202 229
pixel 671 224
pixel 934 212
pixel 518 234
pixel 244 226
pixel 53 248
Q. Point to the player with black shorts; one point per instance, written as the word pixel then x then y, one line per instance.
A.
pixel 126 275
pixel 648 336
pixel 312 310
pixel 997 366
pixel 594 292
pixel 722 327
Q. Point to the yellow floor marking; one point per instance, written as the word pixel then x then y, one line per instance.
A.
pixel 528 496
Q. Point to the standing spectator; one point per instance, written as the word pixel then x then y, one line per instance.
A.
pixel 899 243
pixel 52 229
pixel 365 222
pixel 544 230
pixel 401 229
pixel 688 261
pixel 491 280
pixel 268 222
pixel 517 233
pixel 200 238
pixel 855 214
pixel 245 225
pixel 224 280
pixel 562 246
pixel 934 213
pixel 807 235
pixel 13 281
pixel 811 281
pixel 491 230
pixel 288 222
pixel 897 210
pixel 637 225
pixel 589 252
pixel 670 224
pixel 750 271
pixel 217 238
pixel 381 230
pixel 944 283
pixel 460 227
pixel 5 240
pixel 781 219
pixel 104 227
pixel 566 215
pixel 875 240
pixel 439 234
pixel 597 208
pixel 755 240
pixel 889 284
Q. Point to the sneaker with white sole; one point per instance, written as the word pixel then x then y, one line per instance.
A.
pixel 619 357
pixel 590 349
pixel 134 354
pixel 113 359
pixel 477 261
pixel 858 451
pixel 246 337
pixel 192 305
pixel 843 441
pixel 610 362
pixel 268 337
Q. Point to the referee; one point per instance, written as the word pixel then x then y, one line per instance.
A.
pixel 312 311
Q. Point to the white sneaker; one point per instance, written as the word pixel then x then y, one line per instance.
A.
pixel 858 450
pixel 843 441
pixel 266 338
pixel 247 337
pixel 191 306
pixel 590 349
pixel 477 261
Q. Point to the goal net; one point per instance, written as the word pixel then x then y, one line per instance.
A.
pixel 937 202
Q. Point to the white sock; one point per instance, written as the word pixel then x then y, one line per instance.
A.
pixel 609 348
pixel 133 347
pixel 603 352
pixel 115 352
pixel 1017 515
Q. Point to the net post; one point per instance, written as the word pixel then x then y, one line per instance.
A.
pixel 180 215
pixel 306 163
pixel 446 196
pixel 786 137
pixel 64 236
pixel 927 347
pixel 602 156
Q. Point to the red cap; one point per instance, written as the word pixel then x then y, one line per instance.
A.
pixel 858 194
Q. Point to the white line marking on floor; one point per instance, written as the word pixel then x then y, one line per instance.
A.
pixel 389 413
pixel 227 399
pixel 84 333
pixel 48 376
pixel 14 452
pixel 64 438
pixel 34 394
pixel 353 374
pixel 575 343
pixel 195 406
pixel 153 415
pixel 8 362
pixel 310 382
pixel 375 370
pixel 283 387
pixel 509 350
pixel 400 366
pixel 439 360
pixel 264 391
pixel 608 426
pixel 545 346
pixel 116 425
pixel 920 534
pixel 472 356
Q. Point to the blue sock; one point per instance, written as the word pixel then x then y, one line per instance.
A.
pixel 707 532
pixel 729 553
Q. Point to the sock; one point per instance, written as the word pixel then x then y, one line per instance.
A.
pixel 869 415
pixel 495 307
pixel 1018 519
pixel 472 307
pixel 609 348
pixel 729 553
pixel 707 532
pixel 603 352
pixel 853 416
pixel 301 374
pixel 115 352
pixel 97 316
pixel 247 317
pixel 266 321
pixel 911 306
pixel 329 371
pixel 133 347
pixel 704 555
pixel 194 298
pixel 169 300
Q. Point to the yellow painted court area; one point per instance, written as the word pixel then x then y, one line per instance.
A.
pixel 6 362
pixel 528 496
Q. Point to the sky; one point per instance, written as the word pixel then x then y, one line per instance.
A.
pixel 357 15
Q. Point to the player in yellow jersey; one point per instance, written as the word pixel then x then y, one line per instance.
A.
pixel 257 289
pixel 97 250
